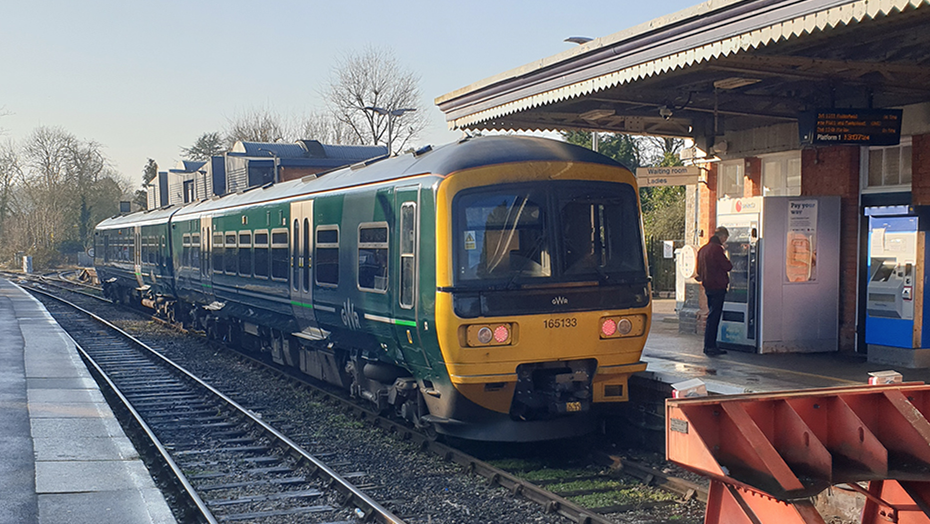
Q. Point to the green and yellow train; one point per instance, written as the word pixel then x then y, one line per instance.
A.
pixel 492 289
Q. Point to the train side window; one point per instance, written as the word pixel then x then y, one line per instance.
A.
pixel 408 249
pixel 373 257
pixel 232 254
pixel 195 250
pixel 261 254
pixel 279 254
pixel 245 253
pixel 327 256
pixel 218 252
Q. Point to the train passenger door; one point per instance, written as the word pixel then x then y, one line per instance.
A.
pixel 137 254
pixel 206 256
pixel 406 273
pixel 302 263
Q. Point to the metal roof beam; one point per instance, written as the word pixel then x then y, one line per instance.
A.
pixel 899 76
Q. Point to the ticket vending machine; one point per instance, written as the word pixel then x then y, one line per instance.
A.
pixel 739 323
pixel 784 286
pixel 895 290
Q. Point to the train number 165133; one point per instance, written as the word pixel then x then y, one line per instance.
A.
pixel 556 323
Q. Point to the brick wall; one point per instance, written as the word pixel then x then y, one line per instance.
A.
pixel 920 170
pixel 835 171
pixel 694 312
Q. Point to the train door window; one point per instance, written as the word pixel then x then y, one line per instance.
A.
pixel 106 248
pixel 205 252
pixel 218 252
pixel 373 257
pixel 261 254
pixel 295 257
pixel 163 253
pixel 279 254
pixel 327 255
pixel 408 260
pixel 232 254
pixel 306 256
pixel 195 250
pixel 185 250
pixel 245 253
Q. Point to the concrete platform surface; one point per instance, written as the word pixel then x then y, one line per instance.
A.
pixel 674 357
pixel 65 458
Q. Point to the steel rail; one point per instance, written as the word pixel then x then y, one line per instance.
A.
pixel 371 509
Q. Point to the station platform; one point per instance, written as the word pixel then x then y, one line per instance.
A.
pixel 674 357
pixel 65 458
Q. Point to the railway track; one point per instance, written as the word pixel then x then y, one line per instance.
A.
pixel 225 461
pixel 549 493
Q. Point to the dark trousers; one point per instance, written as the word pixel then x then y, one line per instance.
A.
pixel 715 300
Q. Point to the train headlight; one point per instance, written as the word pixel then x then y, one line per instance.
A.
pixel 623 326
pixel 501 334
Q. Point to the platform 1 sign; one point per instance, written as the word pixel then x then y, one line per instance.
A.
pixel 667 176
pixel 866 127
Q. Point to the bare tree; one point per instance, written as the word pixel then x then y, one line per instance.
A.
pixel 10 174
pixel 327 129
pixel 256 126
pixel 208 145
pixel 371 79
pixel 61 187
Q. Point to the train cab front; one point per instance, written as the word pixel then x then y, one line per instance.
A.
pixel 544 313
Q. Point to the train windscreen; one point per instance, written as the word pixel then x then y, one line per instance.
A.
pixel 558 231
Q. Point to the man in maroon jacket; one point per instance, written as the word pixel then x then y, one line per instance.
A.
pixel 712 268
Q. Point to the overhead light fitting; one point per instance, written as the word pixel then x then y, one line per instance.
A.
pixel 597 114
pixel 735 82
pixel 665 112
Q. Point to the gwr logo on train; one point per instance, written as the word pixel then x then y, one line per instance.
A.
pixel 349 315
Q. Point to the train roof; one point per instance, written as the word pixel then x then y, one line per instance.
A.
pixel 441 161
pixel 140 218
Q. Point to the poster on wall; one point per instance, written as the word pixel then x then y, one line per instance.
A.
pixel 801 247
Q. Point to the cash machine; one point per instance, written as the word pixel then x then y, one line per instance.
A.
pixel 784 285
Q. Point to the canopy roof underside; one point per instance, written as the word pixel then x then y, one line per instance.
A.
pixel 751 63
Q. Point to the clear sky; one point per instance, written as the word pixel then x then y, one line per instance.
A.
pixel 144 79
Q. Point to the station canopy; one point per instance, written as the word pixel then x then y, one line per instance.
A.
pixel 749 64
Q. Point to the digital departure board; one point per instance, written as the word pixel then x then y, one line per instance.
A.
pixel 866 127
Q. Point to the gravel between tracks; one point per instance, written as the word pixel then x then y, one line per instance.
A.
pixel 417 486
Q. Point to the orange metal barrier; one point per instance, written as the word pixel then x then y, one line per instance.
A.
pixel 767 454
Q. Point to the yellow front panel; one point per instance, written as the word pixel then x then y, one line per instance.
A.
pixel 533 338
